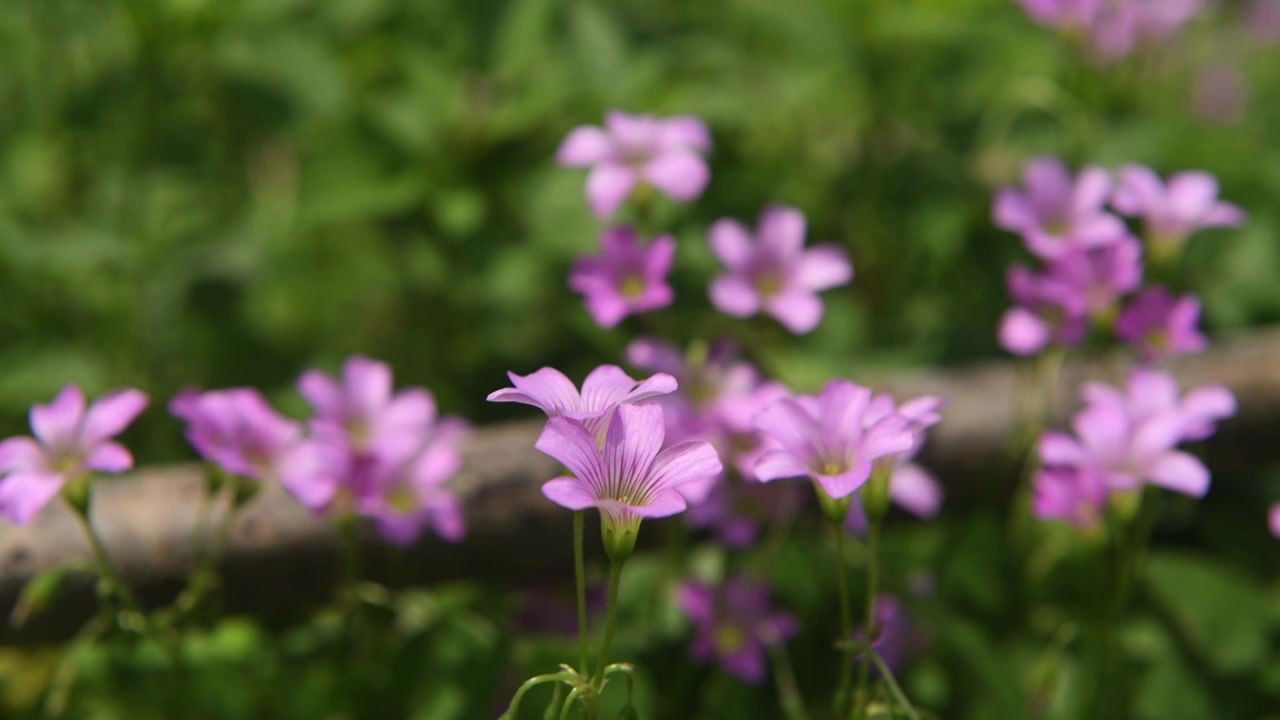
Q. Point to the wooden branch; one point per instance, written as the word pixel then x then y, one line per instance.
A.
pixel 280 559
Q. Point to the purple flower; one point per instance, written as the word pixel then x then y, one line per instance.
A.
pixel 826 438
pixel 1100 276
pixel 238 430
pixel 1121 27
pixel 360 408
pixel 737 508
pixel 1057 214
pixel 1172 212
pixel 409 493
pixel 1273 519
pixel 626 277
pixel 1064 15
pixel 773 272
pixel 1076 494
pixel 635 150
pixel 892 631
pixel 1125 439
pixel 911 486
pixel 605 388
pixel 628 477
pixel 1047 310
pixel 735 623
pixel 1159 325
pixel 69 441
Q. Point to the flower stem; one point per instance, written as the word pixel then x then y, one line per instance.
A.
pixel 873 588
pixel 615 577
pixel 580 583
pixel 106 568
pixel 898 696
pixel 846 624
pixel 784 675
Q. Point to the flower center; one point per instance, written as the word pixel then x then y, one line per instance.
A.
pixel 830 467
pixel 768 283
pixel 730 638
pixel 631 285
pixel 1158 338
pixel 402 499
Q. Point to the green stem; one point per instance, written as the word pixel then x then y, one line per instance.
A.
pixel 788 693
pixel 580 583
pixel 615 578
pixel 887 675
pixel 846 624
pixel 106 569
pixel 873 588
pixel 568 703
pixel 525 687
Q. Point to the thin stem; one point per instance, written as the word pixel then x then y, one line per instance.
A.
pixel 106 569
pixel 873 588
pixel 568 703
pixel 528 685
pixel 846 624
pixel 580 582
pixel 553 707
pixel 788 692
pixel 887 675
pixel 615 577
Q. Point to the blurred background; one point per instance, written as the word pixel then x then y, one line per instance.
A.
pixel 227 192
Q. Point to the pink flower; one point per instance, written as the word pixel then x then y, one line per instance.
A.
pixel 1122 27
pixel 1047 310
pixel 734 624
pixel 634 150
pixel 361 409
pixel 911 486
pixel 238 430
pixel 1100 276
pixel 408 494
pixel 1057 214
pixel 628 477
pixel 1124 439
pixel 1065 15
pixel 1172 212
pixel 1159 325
pixel 1273 519
pixel 69 441
pixel 626 277
pixel 773 272
pixel 826 438
pixel 604 388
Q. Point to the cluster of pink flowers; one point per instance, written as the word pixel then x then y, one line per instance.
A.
pixel 769 272
pixel 368 450
pixel 1112 29
pixel 1092 260
pixel 1125 438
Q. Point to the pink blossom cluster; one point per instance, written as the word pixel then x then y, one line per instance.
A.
pixel 367 450
pixel 1125 438
pixel 1092 262
pixel 1113 29
pixel 768 271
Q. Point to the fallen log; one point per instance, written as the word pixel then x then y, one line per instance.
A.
pixel 280 560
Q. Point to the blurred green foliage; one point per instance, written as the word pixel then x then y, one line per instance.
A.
pixel 224 192
pixel 217 193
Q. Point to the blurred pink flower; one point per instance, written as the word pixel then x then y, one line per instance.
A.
pixel 773 271
pixel 1161 325
pixel 627 277
pixel 69 441
pixel 1057 214
pixel 734 624
pixel 631 150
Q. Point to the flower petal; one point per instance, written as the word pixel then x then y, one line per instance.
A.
pixel 1180 472
pixel 687 462
pixel 568 493
pixel 697 600
pixel 568 442
pixel 681 174
pixel 21 453
pixel 367 386
pixel 55 424
pixel 684 131
pixel 109 457
pixel 546 388
pixel 798 310
pixel 111 414
pixel 585 145
pixel 915 489
pixel 607 186
pixel 24 494
pixel 734 295
pixel 776 464
pixel 823 267
pixel 731 242
pixel 1022 332
pixel 781 230
pixel 631 444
